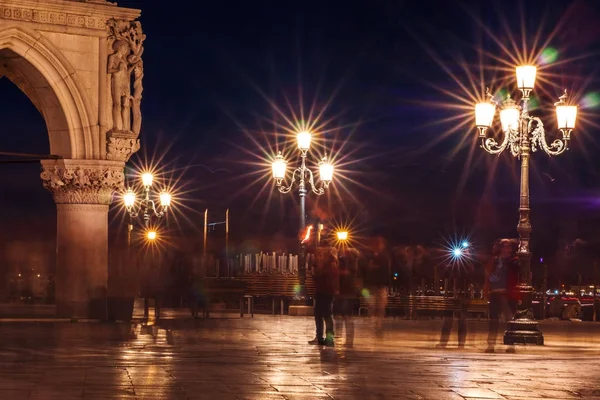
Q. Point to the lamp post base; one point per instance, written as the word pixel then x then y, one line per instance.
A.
pixel 523 331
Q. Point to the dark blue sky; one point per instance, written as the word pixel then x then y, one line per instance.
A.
pixel 386 67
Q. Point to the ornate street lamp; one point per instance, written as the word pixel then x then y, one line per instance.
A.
pixel 146 207
pixel 303 177
pixel 524 134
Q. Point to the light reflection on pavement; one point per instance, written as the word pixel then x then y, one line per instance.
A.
pixel 267 357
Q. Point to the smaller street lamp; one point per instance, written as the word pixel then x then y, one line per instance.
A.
pixel 151 235
pixel 147 207
pixel 302 176
pixel 342 236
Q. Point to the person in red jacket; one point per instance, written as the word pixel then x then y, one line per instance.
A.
pixel 327 284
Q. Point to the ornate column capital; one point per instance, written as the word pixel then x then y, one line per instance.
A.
pixel 83 181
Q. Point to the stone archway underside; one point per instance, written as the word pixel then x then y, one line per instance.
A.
pixel 35 86
pixel 61 54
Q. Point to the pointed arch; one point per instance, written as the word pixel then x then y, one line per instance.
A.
pixel 50 83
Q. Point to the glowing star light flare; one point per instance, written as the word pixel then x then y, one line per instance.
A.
pixel 147 179
pixel 303 140
pixel 342 236
pixel 279 167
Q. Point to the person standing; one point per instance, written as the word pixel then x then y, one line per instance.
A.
pixel 500 287
pixel 378 280
pixel 349 293
pixel 459 311
pixel 327 287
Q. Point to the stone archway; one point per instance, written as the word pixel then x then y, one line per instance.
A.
pixel 75 60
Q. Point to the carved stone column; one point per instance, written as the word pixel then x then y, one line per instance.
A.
pixel 82 191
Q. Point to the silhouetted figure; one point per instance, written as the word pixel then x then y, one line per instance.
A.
pixel 349 293
pixel 155 283
pixel 198 296
pixel 500 287
pixel 459 313
pixel 377 281
pixel 327 286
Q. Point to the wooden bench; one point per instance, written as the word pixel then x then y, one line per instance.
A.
pixel 277 287
pixel 224 289
pixel 437 305
pixel 479 307
pixel 412 306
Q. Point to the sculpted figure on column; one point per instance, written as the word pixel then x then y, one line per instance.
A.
pixel 126 46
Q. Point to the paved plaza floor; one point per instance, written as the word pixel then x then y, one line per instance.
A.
pixel 268 357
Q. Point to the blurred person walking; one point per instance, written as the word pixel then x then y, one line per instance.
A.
pixel 349 294
pixel 459 311
pixel 500 288
pixel 377 281
pixel 327 284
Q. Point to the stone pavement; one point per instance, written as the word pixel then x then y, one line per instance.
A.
pixel 267 358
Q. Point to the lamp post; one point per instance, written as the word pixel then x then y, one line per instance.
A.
pixel 304 178
pixel 524 134
pixel 146 207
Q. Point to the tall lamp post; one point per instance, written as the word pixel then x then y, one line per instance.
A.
pixel 304 178
pixel 146 208
pixel 524 134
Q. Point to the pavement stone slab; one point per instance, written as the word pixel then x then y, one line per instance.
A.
pixel 267 357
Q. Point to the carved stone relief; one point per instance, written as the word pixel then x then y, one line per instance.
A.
pixel 126 70
pixel 52 17
pixel 121 146
pixel 83 184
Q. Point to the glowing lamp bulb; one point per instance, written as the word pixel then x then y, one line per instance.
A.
pixel 304 138
pixel 326 170
pixel 484 114
pixel 526 77
pixel 509 115
pixel 165 199
pixel 129 198
pixel 457 252
pixel 566 116
pixel 147 179
pixel 342 235
pixel 465 244
pixel 279 167
pixel 151 235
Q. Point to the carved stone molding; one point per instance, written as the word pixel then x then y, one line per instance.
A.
pixel 82 181
pixel 121 145
pixel 52 17
pixel 79 14
pixel 99 208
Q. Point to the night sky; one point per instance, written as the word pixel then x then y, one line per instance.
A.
pixel 388 74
